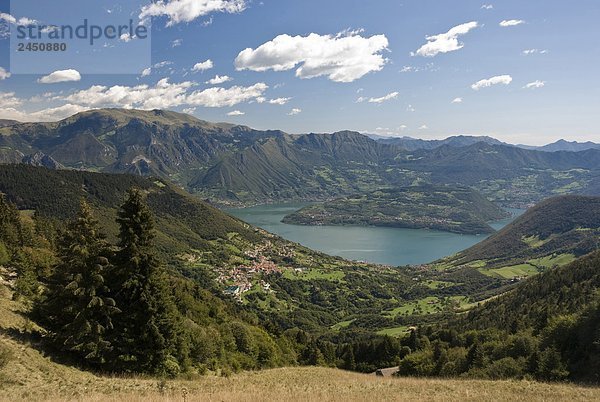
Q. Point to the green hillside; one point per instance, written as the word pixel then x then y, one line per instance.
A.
pixel 557 226
pixel 452 209
pixel 546 328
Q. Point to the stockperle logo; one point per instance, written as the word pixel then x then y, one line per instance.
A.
pixel 91 37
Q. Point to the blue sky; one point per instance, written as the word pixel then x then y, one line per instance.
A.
pixel 521 71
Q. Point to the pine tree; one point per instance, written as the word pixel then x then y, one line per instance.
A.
pixel 78 308
pixel 10 224
pixel 148 333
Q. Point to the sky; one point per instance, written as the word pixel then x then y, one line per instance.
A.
pixel 520 71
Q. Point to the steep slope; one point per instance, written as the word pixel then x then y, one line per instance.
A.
pixel 133 141
pixel 312 166
pixel 560 225
pixel 453 209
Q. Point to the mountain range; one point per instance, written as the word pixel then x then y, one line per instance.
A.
pixel 236 164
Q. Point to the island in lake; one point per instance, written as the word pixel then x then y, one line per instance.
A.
pixel 447 208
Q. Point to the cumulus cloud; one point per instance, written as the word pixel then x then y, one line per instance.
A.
pixel 446 42
pixel 511 23
pixel 220 97
pixel 189 110
pixel 424 127
pixel 178 11
pixel 218 79
pixel 457 100
pixel 203 66
pixel 535 84
pixel 146 72
pixel 4 74
pixel 161 96
pixel 487 7
pixel 61 76
pixel 14 21
pixel 385 98
pixel 177 43
pixel 49 114
pixel 236 113
pixel 8 100
pixel 499 79
pixel 294 112
pixel 344 57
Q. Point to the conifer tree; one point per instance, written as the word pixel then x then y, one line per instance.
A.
pixel 148 334
pixel 78 307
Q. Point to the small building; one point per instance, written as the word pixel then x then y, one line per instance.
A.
pixel 232 291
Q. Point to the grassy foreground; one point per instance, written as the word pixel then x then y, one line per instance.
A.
pixel 30 376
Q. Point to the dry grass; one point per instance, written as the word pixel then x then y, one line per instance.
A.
pixel 30 376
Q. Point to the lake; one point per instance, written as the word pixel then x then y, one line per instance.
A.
pixel 392 246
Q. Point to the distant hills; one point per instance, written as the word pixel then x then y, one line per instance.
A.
pixel 446 208
pixel 413 144
pixel 236 164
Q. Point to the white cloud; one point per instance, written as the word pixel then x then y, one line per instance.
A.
pixel 218 79
pixel 410 108
pixel 424 127
pixel 528 52
pixel 177 43
pixel 4 74
pixel 12 20
pixel 487 7
pixel 535 84
pixel 294 112
pixel 385 98
pixel 457 100
pixel 203 66
pixel 189 110
pixel 164 95
pixel 49 114
pixel 178 11
pixel 162 64
pixel 161 96
pixel 61 76
pixel 500 79
pixel 511 23
pixel 8 100
pixel 446 42
pixel 146 72
pixel 220 97
pixel 344 57
pixel 279 101
pixel 126 37
pixel 236 113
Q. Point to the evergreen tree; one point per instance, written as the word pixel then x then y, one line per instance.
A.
pixel 148 333
pixel 10 224
pixel 78 308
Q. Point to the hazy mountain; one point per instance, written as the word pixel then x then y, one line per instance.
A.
pixel 412 144
pixel 563 145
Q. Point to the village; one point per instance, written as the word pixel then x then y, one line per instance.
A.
pixel 242 278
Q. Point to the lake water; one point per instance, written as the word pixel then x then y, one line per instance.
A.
pixel 378 245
